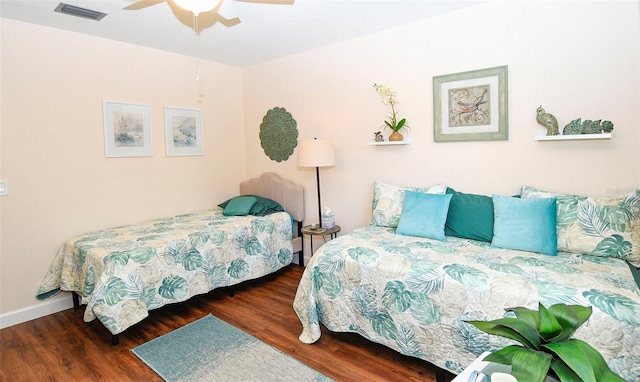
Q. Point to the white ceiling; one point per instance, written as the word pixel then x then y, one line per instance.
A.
pixel 266 31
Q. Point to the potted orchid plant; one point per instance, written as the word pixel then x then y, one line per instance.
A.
pixel 392 122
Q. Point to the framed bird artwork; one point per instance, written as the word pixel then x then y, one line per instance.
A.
pixel 471 106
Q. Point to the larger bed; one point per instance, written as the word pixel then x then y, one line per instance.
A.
pixel 413 294
pixel 122 273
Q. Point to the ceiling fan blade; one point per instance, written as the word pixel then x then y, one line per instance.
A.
pixel 141 4
pixel 229 22
pixel 282 2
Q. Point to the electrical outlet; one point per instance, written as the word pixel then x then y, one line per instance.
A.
pixel 4 187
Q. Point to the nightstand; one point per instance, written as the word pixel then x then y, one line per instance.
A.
pixel 324 232
pixel 487 367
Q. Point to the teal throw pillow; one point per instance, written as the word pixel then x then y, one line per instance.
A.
pixel 262 207
pixel 239 206
pixel 525 224
pixel 424 215
pixel 470 216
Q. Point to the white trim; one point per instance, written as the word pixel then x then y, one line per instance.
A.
pixel 36 311
pixel 572 137
pixel 389 143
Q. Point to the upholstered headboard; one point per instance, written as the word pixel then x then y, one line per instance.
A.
pixel 271 185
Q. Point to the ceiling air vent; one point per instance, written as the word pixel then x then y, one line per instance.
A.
pixel 80 12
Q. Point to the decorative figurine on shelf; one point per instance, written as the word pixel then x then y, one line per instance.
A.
pixel 547 120
pixel 576 127
pixel 378 136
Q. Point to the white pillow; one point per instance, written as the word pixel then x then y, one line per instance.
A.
pixel 388 200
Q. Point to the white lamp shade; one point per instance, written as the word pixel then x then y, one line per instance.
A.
pixel 197 6
pixel 316 153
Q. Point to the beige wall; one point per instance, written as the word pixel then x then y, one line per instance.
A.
pixel 61 184
pixel 577 59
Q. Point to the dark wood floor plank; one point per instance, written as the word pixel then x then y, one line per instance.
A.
pixel 62 347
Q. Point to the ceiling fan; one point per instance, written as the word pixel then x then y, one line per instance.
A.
pixel 199 15
pixel 205 10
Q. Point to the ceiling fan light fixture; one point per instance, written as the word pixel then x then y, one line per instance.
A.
pixel 197 6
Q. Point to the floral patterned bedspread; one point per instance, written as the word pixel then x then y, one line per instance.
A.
pixel 122 273
pixel 412 294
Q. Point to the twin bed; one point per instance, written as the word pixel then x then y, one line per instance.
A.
pixel 122 273
pixel 413 293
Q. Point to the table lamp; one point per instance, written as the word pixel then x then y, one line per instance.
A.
pixel 316 153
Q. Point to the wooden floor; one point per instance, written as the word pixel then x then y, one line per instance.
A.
pixel 62 347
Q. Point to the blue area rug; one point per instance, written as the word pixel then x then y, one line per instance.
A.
pixel 209 349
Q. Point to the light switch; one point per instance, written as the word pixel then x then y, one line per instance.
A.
pixel 4 187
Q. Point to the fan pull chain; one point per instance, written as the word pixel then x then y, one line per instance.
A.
pixel 195 29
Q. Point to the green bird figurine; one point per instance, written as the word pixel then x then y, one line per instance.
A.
pixel 547 120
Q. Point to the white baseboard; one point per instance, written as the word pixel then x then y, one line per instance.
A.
pixel 57 304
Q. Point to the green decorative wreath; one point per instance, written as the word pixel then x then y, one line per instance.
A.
pixel 278 134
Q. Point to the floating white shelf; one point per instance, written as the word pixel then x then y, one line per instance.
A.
pixel 572 137
pixel 389 143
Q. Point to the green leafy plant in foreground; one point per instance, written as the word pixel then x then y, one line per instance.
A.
pixel 546 341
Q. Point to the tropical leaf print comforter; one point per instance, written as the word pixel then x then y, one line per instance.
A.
pixel 122 273
pixel 413 295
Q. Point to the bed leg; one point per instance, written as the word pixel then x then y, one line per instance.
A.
pixel 441 375
pixel 301 253
pixel 115 339
pixel 76 300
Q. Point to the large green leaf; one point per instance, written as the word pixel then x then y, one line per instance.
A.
pixel 583 359
pixel 548 327
pixel 511 328
pixel 503 356
pixel 570 317
pixel 531 317
pixel 530 365
pixel 563 371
